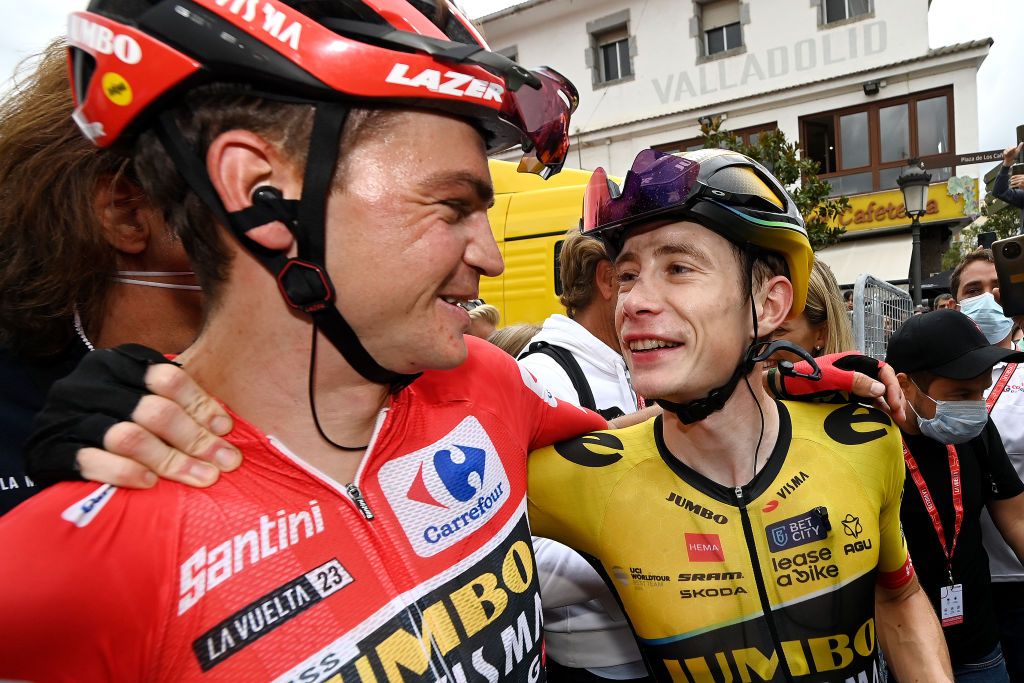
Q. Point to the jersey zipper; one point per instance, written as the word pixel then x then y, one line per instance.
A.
pixel 357 498
pixel 762 592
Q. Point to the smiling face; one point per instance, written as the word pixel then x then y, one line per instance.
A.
pixel 682 316
pixel 408 239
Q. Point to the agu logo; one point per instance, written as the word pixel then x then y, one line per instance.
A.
pixel 446 491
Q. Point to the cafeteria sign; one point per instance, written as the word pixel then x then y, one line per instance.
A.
pixel 877 210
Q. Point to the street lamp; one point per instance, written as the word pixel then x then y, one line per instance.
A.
pixel 913 183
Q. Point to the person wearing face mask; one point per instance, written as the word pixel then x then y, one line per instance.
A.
pixel 973 282
pixel 987 314
pixel 956 468
pixel 112 272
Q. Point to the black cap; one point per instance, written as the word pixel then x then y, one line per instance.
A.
pixel 946 343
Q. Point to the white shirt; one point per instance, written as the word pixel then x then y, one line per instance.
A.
pixel 1008 416
pixel 603 367
pixel 583 625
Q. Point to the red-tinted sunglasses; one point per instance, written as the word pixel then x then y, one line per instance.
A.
pixel 542 115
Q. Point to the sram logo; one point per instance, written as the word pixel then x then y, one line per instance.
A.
pixel 81 31
pixel 448 83
pixel 443 493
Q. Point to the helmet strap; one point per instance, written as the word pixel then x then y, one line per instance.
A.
pixel 303 281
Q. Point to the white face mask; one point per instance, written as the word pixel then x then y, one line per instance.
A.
pixel 125 277
pixel 988 316
pixel 955 421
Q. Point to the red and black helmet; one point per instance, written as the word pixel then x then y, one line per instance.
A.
pixel 129 57
pixel 132 62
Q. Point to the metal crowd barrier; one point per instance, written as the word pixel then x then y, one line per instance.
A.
pixel 878 310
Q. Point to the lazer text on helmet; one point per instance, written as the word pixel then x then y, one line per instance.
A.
pixel 454 83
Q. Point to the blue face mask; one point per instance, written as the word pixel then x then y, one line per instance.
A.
pixel 954 421
pixel 988 315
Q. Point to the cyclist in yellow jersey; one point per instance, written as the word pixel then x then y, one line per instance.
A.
pixel 747 539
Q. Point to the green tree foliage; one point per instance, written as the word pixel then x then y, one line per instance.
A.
pixel 1000 218
pixel 821 213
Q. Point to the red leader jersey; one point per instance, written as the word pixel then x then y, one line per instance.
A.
pixel 420 570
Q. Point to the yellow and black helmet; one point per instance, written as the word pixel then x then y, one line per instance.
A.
pixel 724 191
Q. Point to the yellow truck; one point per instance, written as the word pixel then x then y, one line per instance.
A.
pixel 529 220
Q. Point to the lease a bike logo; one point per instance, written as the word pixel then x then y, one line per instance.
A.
pixel 796 531
pixel 443 493
pixel 853 424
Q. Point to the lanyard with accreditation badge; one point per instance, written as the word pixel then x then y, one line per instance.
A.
pixel 997 390
pixel 951 596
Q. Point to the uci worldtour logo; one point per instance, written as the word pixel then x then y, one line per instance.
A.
pixel 445 492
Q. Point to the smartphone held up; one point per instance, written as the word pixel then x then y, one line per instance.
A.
pixel 1009 258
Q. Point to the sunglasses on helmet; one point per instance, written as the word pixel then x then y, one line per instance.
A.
pixel 542 115
pixel 657 182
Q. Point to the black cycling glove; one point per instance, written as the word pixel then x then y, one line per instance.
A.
pixel 102 391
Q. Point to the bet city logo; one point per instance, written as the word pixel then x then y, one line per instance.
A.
pixel 444 492
pixel 795 531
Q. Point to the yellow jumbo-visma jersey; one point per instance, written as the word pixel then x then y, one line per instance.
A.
pixel 696 564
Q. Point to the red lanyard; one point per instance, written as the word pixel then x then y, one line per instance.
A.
pixel 997 390
pixel 929 502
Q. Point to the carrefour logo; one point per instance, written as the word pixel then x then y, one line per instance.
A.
pixel 446 491
pixel 461 471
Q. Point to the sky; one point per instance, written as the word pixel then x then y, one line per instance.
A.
pixel 30 24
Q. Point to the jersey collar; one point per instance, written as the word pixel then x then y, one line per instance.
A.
pixel 758 485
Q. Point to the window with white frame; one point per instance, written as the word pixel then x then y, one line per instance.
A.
pixel 838 10
pixel 720 22
pixel 613 55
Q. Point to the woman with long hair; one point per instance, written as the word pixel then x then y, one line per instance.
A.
pixel 824 326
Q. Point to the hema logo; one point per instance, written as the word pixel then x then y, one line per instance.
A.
pixel 444 492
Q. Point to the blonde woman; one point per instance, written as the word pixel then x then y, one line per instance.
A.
pixel 514 338
pixel 824 326
pixel 483 318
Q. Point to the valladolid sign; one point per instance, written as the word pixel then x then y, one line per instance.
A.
pixel 822 51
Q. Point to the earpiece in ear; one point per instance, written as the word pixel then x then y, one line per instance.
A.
pixel 267 194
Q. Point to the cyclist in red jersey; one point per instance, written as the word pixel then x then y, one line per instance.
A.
pixel 333 153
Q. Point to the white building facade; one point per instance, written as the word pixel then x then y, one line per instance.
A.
pixel 854 81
